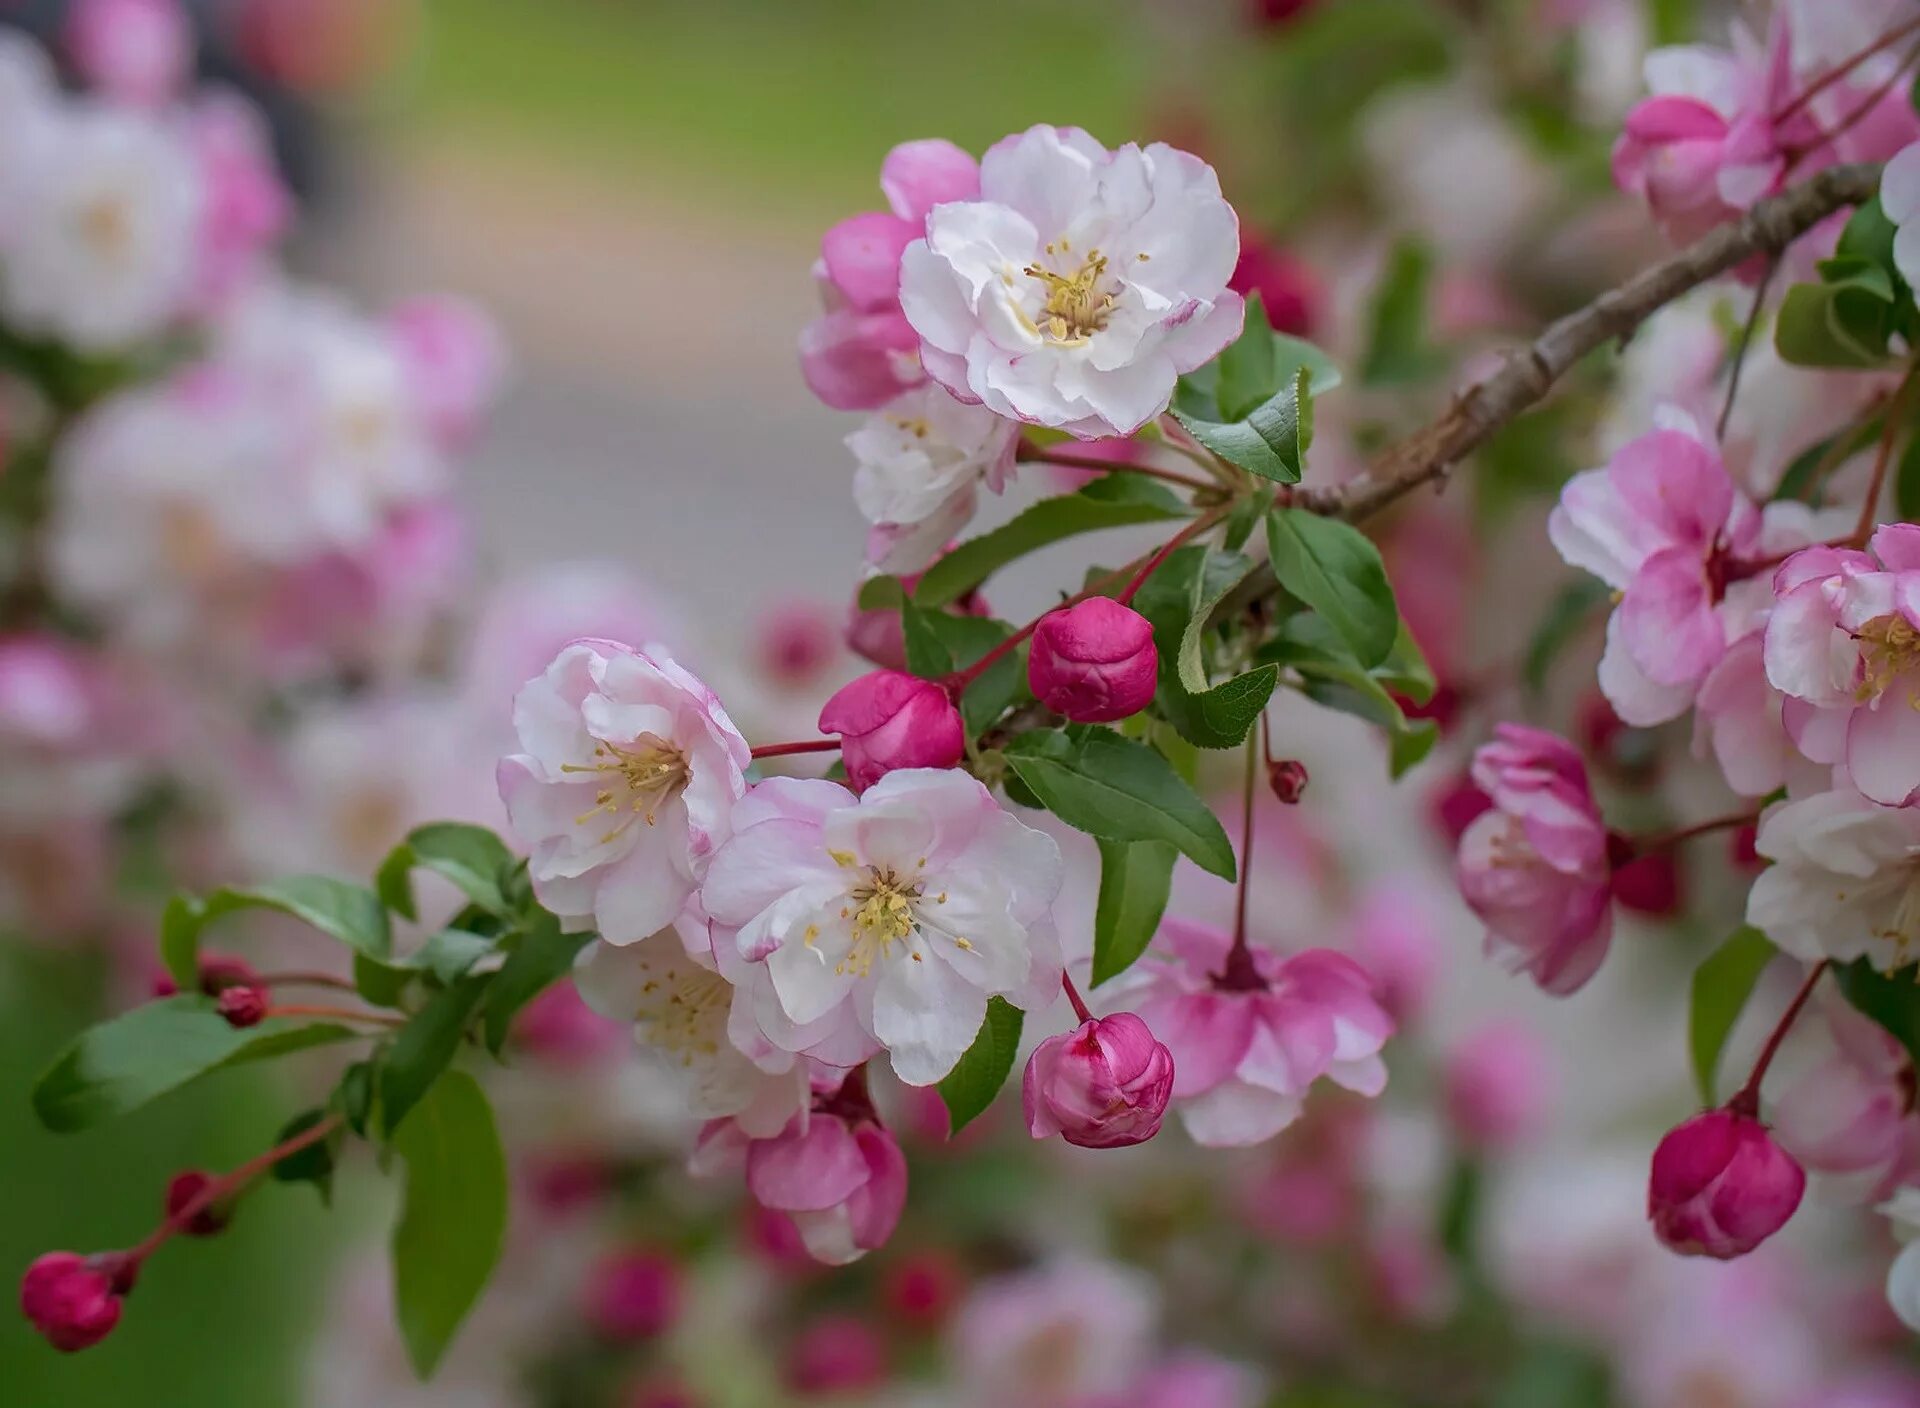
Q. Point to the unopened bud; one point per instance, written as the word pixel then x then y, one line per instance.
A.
pixel 243 1006
pixel 73 1300
pixel 181 1193
pixel 1721 1186
pixel 1288 779
pixel 888 720
pixel 1103 1086
pixel 1094 662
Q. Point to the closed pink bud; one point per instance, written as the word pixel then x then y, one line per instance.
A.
pixel 633 1296
pixel 1094 662
pixel 242 1006
pixel 1721 1186
pixel 1102 1087
pixel 73 1300
pixel 889 720
pixel 181 1193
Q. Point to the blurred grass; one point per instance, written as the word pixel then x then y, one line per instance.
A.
pixel 792 102
pixel 216 1324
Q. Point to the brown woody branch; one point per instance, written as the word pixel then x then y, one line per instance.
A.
pixel 1530 372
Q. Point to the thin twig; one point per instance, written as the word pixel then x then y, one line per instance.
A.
pixel 1746 344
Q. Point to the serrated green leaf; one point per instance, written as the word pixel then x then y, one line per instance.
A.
pixel 425 1047
pixel 1334 568
pixel 1135 878
pixel 145 1053
pixel 937 644
pixel 1119 790
pixel 453 1215
pixel 1115 501
pixel 1721 986
pixel 542 957
pixel 970 1087
pixel 1253 405
pixel 1842 322
pixel 476 861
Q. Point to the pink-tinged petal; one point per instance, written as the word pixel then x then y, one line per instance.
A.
pixel 861 255
pixel 808 1171
pixel 1740 715
pixel 1048 174
pixel 1883 744
pixel 917 176
pixel 760 864
pixel 1675 484
pixel 1594 528
pixel 1807 656
pixel 1897 545
pixel 1207 1032
pixel 1674 119
pixel 875 1210
pixel 1635 698
pixel 857 361
pixel 1667 620
pixel 926 1015
pixel 812 979
pixel 643 893
pixel 1235 1115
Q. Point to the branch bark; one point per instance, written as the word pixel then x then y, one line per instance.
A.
pixel 1530 372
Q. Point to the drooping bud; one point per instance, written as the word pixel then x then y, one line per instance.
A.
pixel 1095 661
pixel 1103 1086
pixel 181 1192
pixel 220 971
pixel 1288 779
pixel 244 1006
pixel 889 720
pixel 74 1301
pixel 633 1296
pixel 1721 1186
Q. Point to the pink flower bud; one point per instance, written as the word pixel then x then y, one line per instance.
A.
pixel 1721 1186
pixel 73 1300
pixel 1103 1086
pixel 220 971
pixel 1650 884
pixel 794 643
pixel 1094 662
pixel 836 1354
pixel 181 1192
pixel 922 1289
pixel 888 720
pixel 632 1296
pixel 243 1006
pixel 1497 1087
pixel 1288 779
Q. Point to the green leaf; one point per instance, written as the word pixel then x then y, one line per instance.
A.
pixel 425 1047
pixel 180 925
pixel 1253 405
pixel 1568 614
pixel 1178 600
pixel 1330 676
pixel 937 644
pixel 475 860
pixel 1135 877
pixel 1119 790
pixel 1208 590
pixel 1891 999
pixel 970 1087
pixel 1397 347
pixel 1409 745
pixel 1334 568
pixel 1798 481
pixel 453 1215
pixel 1405 671
pixel 344 911
pixel 1114 501
pixel 1223 716
pixel 1673 21
pixel 450 953
pixel 1721 986
pixel 543 956
pixel 880 594
pixel 313 1164
pixel 1906 484
pixel 128 1060
pixel 354 1095
pixel 1843 321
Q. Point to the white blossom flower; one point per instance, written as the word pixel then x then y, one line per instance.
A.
pixel 102 251
pixel 629 769
pixel 921 463
pixel 884 921
pixel 1845 882
pixel 1080 284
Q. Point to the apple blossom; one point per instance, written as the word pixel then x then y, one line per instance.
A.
pixel 245 206
pixel 889 720
pixel 1843 643
pixel 1535 867
pixel 1845 880
pixel 883 922
pixel 1246 1052
pixel 454 359
pixel 1102 1086
pixel 1058 1333
pixel 842 1179
pixel 861 352
pixel 1720 1186
pixel 1079 285
pixel 1848 1115
pixel 1094 662
pixel 921 463
pixel 629 770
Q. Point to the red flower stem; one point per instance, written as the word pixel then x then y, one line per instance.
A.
pixel 1193 530
pixel 1852 119
pixel 306 980
pixel 230 1183
pixel 809 745
pixel 1073 996
pixel 1040 454
pixel 337 1014
pixel 1665 840
pixel 1746 1100
pixel 1845 67
pixel 1239 961
pixel 1896 412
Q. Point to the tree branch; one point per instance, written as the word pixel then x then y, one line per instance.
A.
pixel 1529 373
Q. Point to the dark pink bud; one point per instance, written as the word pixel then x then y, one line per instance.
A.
pixel 243 1006
pixel 1288 779
pixel 1278 12
pixel 794 643
pixel 1103 1086
pixel 73 1300
pixel 1094 662
pixel 1650 884
pixel 181 1192
pixel 1291 291
pixel 1456 805
pixel 633 1296
pixel 888 720
pixel 220 971
pixel 923 1288
pixel 1721 1186
pixel 836 1354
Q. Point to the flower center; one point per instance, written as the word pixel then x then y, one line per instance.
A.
pixel 1889 646
pixel 685 1013
pixel 105 228
pixel 1076 308
pixel 883 909
pixel 644 776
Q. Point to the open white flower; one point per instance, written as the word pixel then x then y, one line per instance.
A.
pixel 678 1006
pixel 921 463
pixel 1080 285
pixel 1845 882
pixel 884 921
pixel 103 249
pixel 629 770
